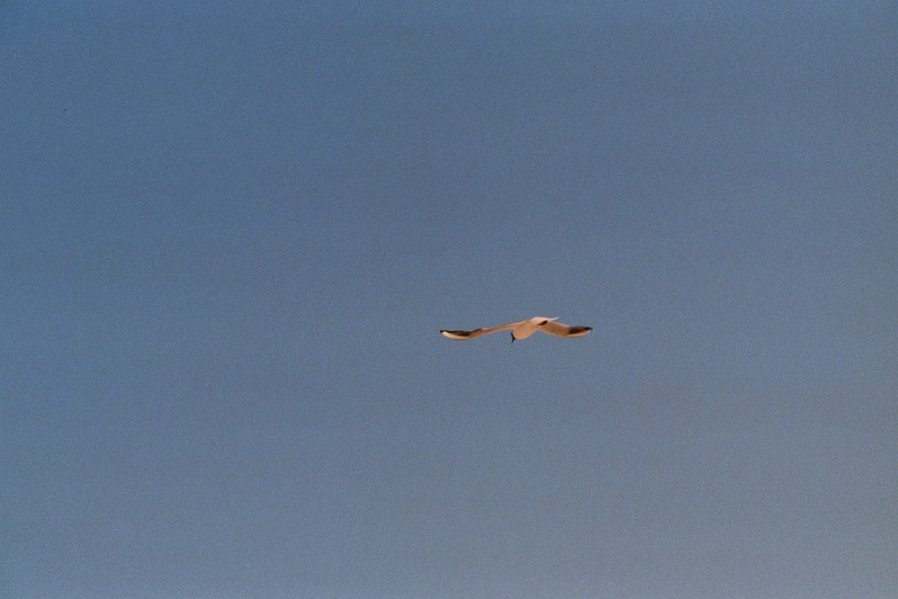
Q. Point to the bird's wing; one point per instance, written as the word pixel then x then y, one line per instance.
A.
pixel 462 335
pixel 562 330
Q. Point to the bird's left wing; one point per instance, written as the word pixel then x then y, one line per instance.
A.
pixel 462 335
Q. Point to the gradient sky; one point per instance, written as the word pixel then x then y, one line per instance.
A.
pixel 230 235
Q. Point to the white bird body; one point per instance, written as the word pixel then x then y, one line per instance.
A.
pixel 523 329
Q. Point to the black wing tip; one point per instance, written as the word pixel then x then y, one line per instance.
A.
pixel 458 333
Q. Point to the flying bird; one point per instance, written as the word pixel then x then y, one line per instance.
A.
pixel 523 329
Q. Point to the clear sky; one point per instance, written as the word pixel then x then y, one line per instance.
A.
pixel 230 234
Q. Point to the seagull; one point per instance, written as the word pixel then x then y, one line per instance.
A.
pixel 523 329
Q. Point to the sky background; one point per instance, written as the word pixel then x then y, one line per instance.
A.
pixel 230 234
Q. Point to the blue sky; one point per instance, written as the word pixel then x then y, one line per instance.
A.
pixel 231 235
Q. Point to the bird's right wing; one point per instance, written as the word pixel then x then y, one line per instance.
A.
pixel 562 330
pixel 463 335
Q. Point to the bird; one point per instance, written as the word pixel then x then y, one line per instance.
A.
pixel 523 329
